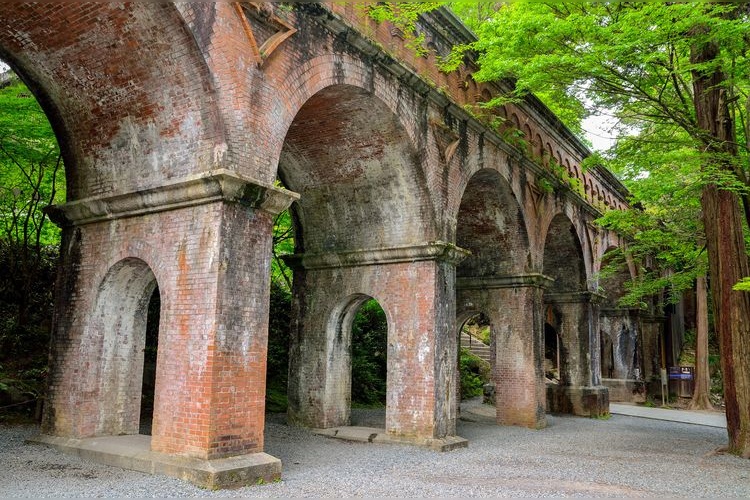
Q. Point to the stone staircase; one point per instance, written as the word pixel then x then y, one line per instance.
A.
pixel 476 346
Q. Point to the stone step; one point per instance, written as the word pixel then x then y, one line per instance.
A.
pixel 477 348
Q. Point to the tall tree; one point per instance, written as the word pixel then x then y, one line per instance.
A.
pixel 665 230
pixel 678 66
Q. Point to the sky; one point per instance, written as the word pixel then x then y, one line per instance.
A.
pixel 597 129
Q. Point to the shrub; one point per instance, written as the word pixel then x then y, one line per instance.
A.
pixel 475 372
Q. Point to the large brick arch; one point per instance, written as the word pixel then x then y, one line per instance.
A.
pixel 491 225
pixel 297 85
pixel 125 87
pixel 357 172
pixel 564 258
pixel 176 120
pixel 612 283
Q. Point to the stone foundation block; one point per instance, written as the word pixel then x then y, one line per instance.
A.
pixel 581 401
pixel 373 435
pixel 134 452
pixel 625 390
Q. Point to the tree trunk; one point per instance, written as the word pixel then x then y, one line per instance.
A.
pixel 727 256
pixel 700 399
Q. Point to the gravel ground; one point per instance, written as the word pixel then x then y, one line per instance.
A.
pixel 619 457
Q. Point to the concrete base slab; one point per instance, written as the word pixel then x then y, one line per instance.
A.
pixel 625 390
pixel 134 452
pixel 582 401
pixel 373 435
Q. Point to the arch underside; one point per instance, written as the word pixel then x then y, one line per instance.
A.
pixel 119 327
pixel 490 225
pixel 563 256
pixel 105 100
pixel 356 170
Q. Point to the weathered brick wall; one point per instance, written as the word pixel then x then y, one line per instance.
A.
pixel 386 160
pixel 127 92
pixel 415 296
pixel 491 226
pixel 513 308
pixel 179 248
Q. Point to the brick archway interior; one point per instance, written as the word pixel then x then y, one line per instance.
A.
pixel 490 225
pixel 563 256
pixel 119 324
pixel 356 170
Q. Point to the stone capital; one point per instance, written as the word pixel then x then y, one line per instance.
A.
pixel 582 297
pixel 535 280
pixel 218 185
pixel 621 311
pixel 436 250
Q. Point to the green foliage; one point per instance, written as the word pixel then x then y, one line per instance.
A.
pixel 545 185
pixel 283 244
pixel 478 327
pixel 369 355
pixel 31 177
pixel 31 173
pixel 633 60
pixel 664 227
pixel 404 16
pixel 743 285
pixel 474 374
pixel 277 367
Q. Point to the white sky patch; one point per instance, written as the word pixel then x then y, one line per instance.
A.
pixel 3 67
pixel 600 130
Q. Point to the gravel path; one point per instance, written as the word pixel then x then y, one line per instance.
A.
pixel 619 457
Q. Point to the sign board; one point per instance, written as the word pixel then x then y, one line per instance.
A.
pixel 681 373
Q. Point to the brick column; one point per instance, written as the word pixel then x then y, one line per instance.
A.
pixel 652 327
pixel 621 328
pixel 580 392
pixel 206 240
pixel 515 306
pixel 415 287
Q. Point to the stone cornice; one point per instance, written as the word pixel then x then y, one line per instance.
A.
pixel 621 311
pixel 491 282
pixel 436 250
pixel 573 297
pixel 217 185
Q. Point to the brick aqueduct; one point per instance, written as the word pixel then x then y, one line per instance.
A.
pixel 175 122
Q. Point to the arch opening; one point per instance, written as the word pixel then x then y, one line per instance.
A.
pixel 150 350
pixel 361 191
pixel 120 327
pixel 551 353
pixel 357 172
pixel 563 256
pixel 358 340
pixel 32 176
pixel 618 327
pixel 555 355
pixel 566 331
pixel 476 358
pixel 490 225
pixel 369 333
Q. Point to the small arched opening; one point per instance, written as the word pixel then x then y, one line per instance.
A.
pixel 358 353
pixel 476 358
pixel 120 326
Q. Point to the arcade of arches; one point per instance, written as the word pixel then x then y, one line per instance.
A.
pixel 175 120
